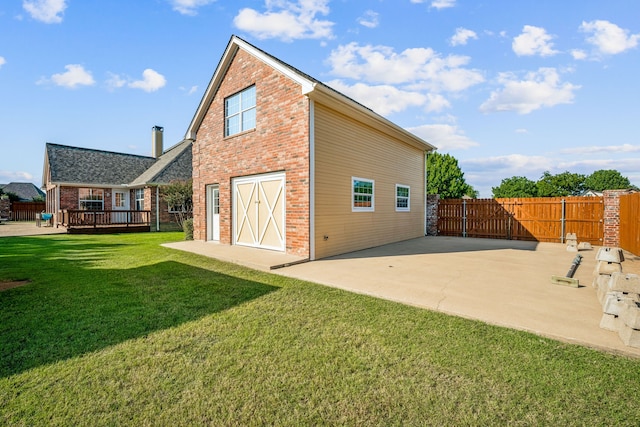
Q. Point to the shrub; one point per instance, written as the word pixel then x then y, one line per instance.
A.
pixel 187 227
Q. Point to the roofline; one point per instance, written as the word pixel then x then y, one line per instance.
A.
pixel 309 86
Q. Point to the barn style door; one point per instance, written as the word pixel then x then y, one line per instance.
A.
pixel 259 211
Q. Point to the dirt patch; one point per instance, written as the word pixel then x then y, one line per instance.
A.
pixel 8 285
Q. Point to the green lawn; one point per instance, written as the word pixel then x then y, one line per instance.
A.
pixel 117 330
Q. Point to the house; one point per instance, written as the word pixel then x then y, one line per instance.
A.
pixel 284 162
pixel 85 179
pixel 26 191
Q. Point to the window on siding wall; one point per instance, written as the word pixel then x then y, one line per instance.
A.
pixel 139 199
pixel 240 112
pixel 91 199
pixel 362 195
pixel 403 194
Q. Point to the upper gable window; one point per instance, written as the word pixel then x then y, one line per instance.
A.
pixel 240 112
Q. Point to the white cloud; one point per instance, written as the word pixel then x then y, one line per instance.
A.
pixel 608 38
pixel 47 11
pixel 445 137
pixel 287 20
pixel 189 7
pixel 521 130
pixel 115 81
pixel 624 148
pixel 509 165
pixel 442 4
pixel 151 81
pixel 383 99
pixel 420 66
pixel 533 41
pixel 2 61
pixel 12 176
pixel 461 36
pixel 538 89
pixel 75 76
pixel 579 54
pixel 370 19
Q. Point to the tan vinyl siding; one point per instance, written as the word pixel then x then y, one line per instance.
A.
pixel 344 148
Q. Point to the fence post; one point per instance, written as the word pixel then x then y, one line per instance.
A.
pixel 464 218
pixel 563 221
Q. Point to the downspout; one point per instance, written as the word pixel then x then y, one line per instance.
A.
pixel 157 208
pixel 424 192
pixel 312 184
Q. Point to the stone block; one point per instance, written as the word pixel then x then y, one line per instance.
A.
pixel 629 283
pixel 572 248
pixel 629 336
pixel 572 238
pixel 601 281
pixel 610 255
pixel 605 267
pixel 630 314
pixel 584 246
pixel 610 322
pixel 613 303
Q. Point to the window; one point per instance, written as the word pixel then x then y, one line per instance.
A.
pixel 119 200
pixel 362 195
pixel 139 199
pixel 91 199
pixel 402 198
pixel 240 112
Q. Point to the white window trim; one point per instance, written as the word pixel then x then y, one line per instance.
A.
pixel 137 192
pixel 91 199
pixel 373 194
pixel 240 113
pixel 408 208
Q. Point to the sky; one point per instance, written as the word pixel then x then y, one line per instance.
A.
pixel 509 88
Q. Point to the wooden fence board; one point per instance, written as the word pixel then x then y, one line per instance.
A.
pixel 630 223
pixel 543 219
pixel 26 211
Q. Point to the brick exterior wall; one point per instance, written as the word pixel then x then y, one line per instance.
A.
pixel 612 216
pixel 280 142
pixel 432 214
pixel 5 207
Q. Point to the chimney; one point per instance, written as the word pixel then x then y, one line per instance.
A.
pixel 156 141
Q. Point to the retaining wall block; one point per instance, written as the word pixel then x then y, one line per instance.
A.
pixel 613 303
pixel 610 322
pixel 605 267
pixel 610 255
pixel 629 336
pixel 630 314
pixel 629 283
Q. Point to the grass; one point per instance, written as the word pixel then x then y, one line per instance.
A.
pixel 117 330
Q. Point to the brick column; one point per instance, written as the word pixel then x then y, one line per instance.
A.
pixel 432 214
pixel 612 217
pixel 5 207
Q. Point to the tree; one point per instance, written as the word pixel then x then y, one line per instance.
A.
pixel 179 196
pixel 516 186
pixel 562 184
pixel 444 177
pixel 606 180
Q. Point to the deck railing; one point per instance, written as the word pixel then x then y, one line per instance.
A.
pixel 101 219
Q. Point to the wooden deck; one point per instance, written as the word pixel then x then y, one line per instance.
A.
pixel 105 222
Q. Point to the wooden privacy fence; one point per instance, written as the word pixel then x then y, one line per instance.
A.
pixel 542 219
pixel 630 223
pixel 26 211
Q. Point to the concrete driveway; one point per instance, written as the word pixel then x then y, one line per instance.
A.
pixel 505 283
pixel 27 228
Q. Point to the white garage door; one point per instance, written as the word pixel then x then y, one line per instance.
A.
pixel 259 211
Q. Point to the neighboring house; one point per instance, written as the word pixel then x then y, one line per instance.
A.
pixel 591 193
pixel 284 162
pixel 26 191
pixel 77 178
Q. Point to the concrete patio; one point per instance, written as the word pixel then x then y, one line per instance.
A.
pixel 505 283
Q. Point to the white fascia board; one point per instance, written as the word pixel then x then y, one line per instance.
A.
pixel 234 44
